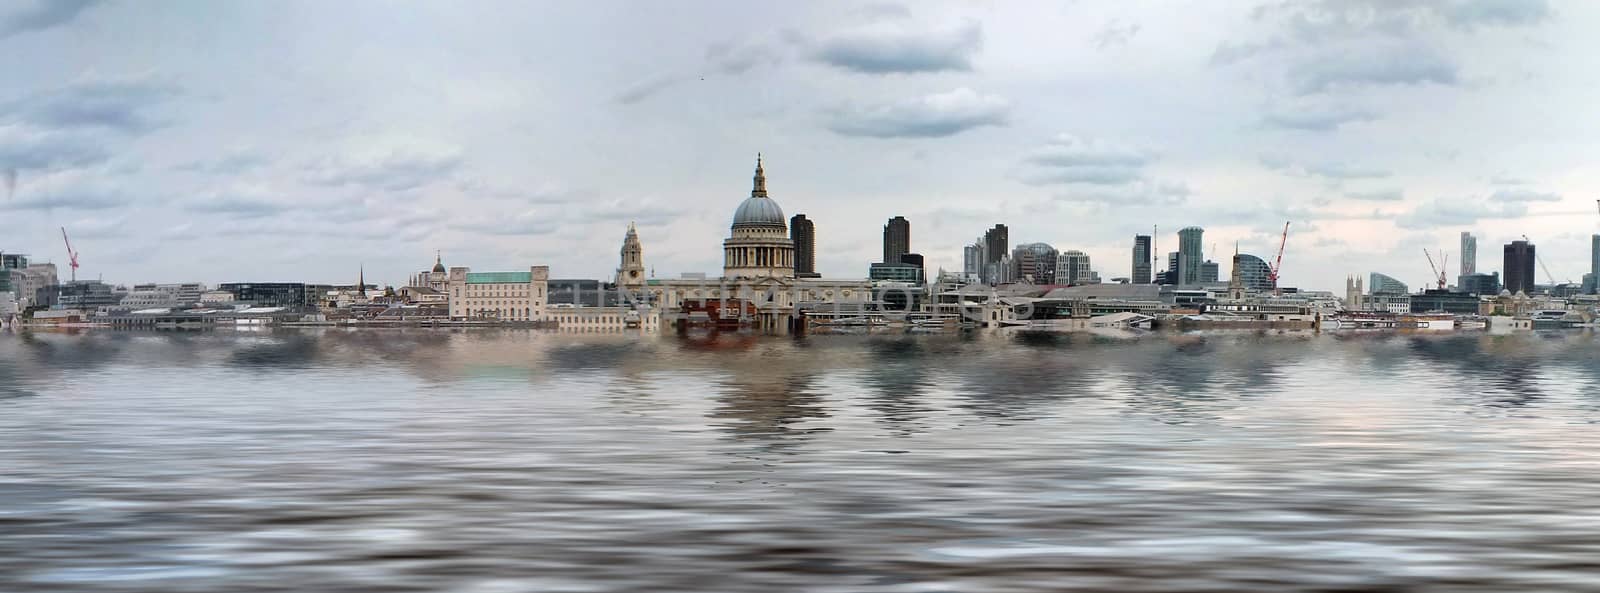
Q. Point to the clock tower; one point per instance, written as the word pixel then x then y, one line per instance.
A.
pixel 631 274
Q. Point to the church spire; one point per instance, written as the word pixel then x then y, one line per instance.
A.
pixel 361 281
pixel 760 189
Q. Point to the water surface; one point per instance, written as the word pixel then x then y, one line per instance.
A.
pixel 521 461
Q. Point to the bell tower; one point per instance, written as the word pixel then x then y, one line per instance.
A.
pixel 631 273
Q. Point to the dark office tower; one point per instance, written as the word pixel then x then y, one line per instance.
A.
pixel 997 242
pixel 896 239
pixel 804 234
pixel 1519 267
pixel 915 259
pixel 1141 259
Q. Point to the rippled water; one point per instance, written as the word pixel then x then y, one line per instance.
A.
pixel 520 461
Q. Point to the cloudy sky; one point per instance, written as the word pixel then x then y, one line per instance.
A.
pixel 238 141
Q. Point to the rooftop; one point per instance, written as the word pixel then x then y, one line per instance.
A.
pixel 499 277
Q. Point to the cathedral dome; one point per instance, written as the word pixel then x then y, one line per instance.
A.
pixel 758 210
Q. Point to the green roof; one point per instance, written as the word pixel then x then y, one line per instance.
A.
pixel 499 277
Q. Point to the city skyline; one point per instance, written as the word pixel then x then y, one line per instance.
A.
pixel 312 139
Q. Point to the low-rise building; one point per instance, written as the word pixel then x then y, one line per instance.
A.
pixel 149 299
pixel 35 285
pixel 183 293
pixel 273 294
pixel 87 295
pixel 895 272
pixel 504 296
pixel 1435 299
pixel 1388 301
pixel 570 318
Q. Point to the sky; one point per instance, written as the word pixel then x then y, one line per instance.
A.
pixel 302 141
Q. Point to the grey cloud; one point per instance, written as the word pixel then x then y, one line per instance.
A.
pixel 1071 159
pixel 530 194
pixel 1100 172
pixel 43 14
pixel 619 211
pixel 1141 193
pixel 1523 195
pixel 1229 52
pixel 114 104
pixel 1325 21
pixel 885 10
pixel 1345 171
pixel 237 205
pixel 99 228
pixel 23 147
pixel 727 58
pixel 396 171
pixel 526 223
pixel 1471 14
pixel 1093 175
pixel 1504 179
pixel 735 59
pixel 931 116
pixel 1387 195
pixel 647 88
pixel 1373 66
pixel 1329 170
pixel 232 163
pixel 900 50
pixel 1114 33
pixel 67 198
pixel 1313 119
pixel 1327 45
pixel 1442 212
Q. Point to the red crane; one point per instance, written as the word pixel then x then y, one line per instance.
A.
pixel 72 256
pixel 1277 262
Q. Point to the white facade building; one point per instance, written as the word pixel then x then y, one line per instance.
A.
pixel 503 296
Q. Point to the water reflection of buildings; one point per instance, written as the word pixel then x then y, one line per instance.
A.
pixel 771 407
pixel 897 379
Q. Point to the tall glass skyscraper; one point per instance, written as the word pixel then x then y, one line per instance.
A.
pixel 1594 265
pixel 1190 257
pixel 1469 254
pixel 1253 272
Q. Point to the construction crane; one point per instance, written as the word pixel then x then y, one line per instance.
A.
pixel 1547 274
pixel 72 256
pixel 1444 262
pixel 1277 262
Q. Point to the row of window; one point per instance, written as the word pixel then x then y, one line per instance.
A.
pixel 483 290
pixel 480 303
pixel 587 319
